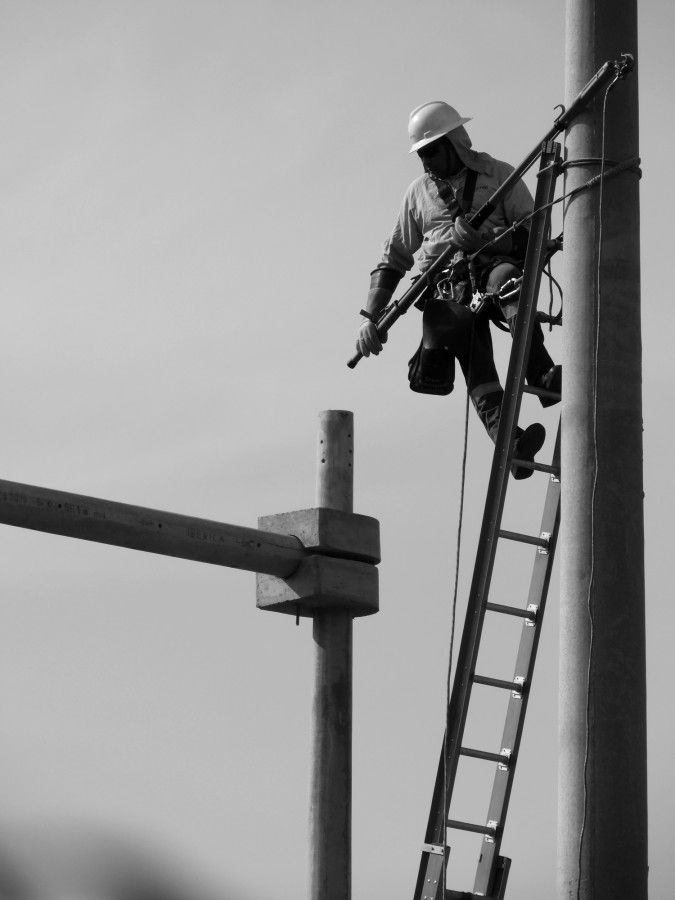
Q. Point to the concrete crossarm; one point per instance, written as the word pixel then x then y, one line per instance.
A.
pixel 321 548
pixel 339 571
pixel 138 528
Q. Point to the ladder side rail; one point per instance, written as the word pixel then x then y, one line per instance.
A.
pixel 517 707
pixel 489 534
pixel 535 260
pixel 525 322
pixel 496 495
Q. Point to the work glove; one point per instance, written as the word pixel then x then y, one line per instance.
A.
pixel 465 237
pixel 369 340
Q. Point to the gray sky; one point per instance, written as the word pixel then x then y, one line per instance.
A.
pixel 193 196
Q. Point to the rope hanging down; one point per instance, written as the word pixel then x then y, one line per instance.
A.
pixel 453 613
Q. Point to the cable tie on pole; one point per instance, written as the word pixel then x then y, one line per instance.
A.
pixel 587 161
pixel 628 165
pixel 631 165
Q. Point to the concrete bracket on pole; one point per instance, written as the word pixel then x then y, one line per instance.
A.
pixel 339 571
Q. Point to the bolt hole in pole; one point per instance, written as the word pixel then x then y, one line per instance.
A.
pixel 331 766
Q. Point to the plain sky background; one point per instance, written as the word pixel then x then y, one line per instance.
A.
pixel 193 195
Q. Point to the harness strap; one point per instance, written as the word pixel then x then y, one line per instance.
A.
pixel 469 188
pixel 447 195
pixel 456 208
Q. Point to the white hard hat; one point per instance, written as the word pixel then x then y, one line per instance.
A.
pixel 430 121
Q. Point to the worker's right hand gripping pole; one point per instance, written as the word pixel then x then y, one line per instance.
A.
pixel 611 70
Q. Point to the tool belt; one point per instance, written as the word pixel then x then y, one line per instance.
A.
pixel 446 333
pixel 448 309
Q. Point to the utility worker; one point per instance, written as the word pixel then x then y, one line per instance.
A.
pixel 456 182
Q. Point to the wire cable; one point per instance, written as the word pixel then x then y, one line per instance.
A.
pixel 591 577
pixel 453 613
pixel 628 165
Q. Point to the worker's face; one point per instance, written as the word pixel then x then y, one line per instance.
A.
pixel 440 158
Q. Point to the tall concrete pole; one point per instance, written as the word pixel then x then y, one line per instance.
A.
pixel 331 776
pixel 602 776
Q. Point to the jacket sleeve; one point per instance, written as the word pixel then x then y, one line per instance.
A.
pixel 405 239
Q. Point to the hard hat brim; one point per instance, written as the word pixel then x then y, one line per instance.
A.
pixel 434 137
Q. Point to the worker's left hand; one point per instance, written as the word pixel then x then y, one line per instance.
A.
pixel 466 237
pixel 369 339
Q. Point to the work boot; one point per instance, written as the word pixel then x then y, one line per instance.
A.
pixel 550 381
pixel 526 445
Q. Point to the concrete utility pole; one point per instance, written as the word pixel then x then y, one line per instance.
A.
pixel 602 777
pixel 316 562
pixel 332 598
pixel 330 816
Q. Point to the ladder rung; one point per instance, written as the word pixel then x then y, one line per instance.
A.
pixel 544 467
pixel 535 466
pixel 463 895
pixel 501 758
pixel 529 613
pixel 499 887
pixel 516 686
pixel 490 829
pixel 524 538
pixel 541 392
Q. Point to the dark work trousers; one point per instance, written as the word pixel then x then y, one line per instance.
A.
pixel 478 366
pixel 480 374
pixel 539 362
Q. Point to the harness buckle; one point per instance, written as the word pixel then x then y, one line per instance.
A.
pixel 477 302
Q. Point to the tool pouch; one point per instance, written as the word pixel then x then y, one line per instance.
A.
pixel 446 333
pixel 431 371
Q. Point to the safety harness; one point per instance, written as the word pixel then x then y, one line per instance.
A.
pixel 450 303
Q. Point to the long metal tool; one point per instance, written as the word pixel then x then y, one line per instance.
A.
pixel 493 869
pixel 610 70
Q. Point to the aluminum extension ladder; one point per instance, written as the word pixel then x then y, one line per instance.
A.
pixel 492 870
